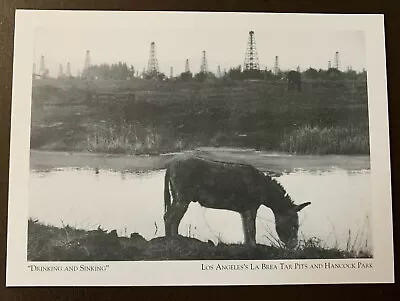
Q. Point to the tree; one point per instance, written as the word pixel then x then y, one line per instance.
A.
pixel 131 72
pixel 185 76
pixel 235 73
pixel 269 75
pixel 202 76
pixel 362 75
pixel 252 74
pixel 311 73
pixel 118 71
pixel 334 73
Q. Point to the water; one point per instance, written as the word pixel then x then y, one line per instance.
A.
pixel 340 208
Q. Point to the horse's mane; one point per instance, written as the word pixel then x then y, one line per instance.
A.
pixel 281 189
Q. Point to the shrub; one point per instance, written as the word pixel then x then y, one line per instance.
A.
pixel 326 140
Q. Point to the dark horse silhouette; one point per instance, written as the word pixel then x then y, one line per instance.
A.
pixel 230 186
pixel 294 80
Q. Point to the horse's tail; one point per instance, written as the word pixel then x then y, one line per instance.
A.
pixel 167 196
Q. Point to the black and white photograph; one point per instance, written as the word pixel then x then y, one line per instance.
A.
pixel 204 137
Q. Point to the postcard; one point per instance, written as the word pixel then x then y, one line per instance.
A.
pixel 198 148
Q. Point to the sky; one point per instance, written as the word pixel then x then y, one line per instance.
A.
pixel 185 36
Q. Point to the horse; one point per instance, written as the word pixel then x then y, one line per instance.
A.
pixel 294 80
pixel 230 186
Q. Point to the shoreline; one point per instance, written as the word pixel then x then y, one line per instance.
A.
pixel 265 161
pixel 72 244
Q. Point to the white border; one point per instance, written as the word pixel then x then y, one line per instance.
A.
pixel 189 272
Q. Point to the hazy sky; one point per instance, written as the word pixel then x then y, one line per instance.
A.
pixel 187 35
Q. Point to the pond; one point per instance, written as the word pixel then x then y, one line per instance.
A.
pixel 339 215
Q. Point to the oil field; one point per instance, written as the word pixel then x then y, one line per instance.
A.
pixel 114 109
pixel 110 130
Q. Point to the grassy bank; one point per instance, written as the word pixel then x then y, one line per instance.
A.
pixel 347 140
pixel 325 118
pixel 49 243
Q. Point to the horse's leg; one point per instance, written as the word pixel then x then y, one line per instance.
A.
pixel 249 226
pixel 178 213
pixel 169 214
pixel 168 220
pixel 243 215
pixel 166 225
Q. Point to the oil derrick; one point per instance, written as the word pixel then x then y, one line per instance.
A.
pixel 34 71
pixel 276 67
pixel 171 72
pixel 42 67
pixel 329 65
pixel 187 68
pixel 60 71
pixel 204 65
pixel 298 69
pixel 337 60
pixel 43 72
pixel 152 66
pixel 86 65
pixel 68 73
pixel 219 74
pixel 251 59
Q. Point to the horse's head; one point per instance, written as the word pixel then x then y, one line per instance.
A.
pixel 287 225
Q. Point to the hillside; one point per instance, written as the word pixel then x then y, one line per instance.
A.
pixel 144 116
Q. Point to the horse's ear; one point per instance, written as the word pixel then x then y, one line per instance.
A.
pixel 301 206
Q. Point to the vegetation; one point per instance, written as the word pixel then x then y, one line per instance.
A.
pixel 119 71
pixel 49 243
pixel 153 116
pixel 326 140
pixel 129 138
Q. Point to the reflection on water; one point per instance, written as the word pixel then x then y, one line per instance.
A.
pixel 340 209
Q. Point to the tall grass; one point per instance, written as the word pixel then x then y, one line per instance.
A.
pixel 358 243
pixel 327 140
pixel 129 139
